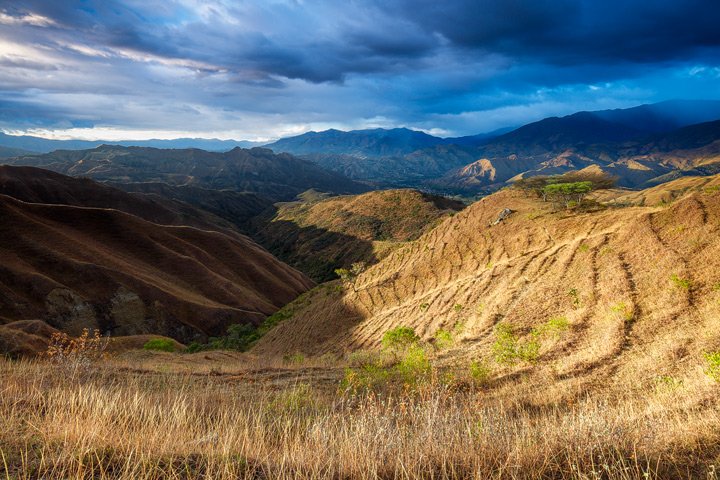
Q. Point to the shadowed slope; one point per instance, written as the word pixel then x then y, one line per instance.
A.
pixel 638 287
pixel 98 268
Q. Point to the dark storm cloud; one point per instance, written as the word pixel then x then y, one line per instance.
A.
pixel 323 62
pixel 583 31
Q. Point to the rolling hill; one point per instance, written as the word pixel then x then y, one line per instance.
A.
pixel 318 234
pixel 79 267
pixel 257 170
pixel 605 296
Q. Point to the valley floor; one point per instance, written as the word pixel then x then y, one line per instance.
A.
pixel 224 415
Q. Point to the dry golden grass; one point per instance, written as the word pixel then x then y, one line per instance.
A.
pixel 142 424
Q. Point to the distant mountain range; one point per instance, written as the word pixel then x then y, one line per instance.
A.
pixel 28 144
pixel 609 138
pixel 643 145
pixel 256 170
pixel 7 152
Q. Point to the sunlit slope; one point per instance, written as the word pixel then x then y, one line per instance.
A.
pixel 319 234
pixel 638 286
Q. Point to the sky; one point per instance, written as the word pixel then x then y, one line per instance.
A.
pixel 263 69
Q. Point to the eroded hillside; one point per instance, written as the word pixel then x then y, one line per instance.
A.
pixel 635 288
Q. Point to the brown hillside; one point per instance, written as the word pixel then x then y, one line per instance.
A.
pixel 36 185
pixel 318 234
pixel 638 286
pixel 25 338
pixel 80 267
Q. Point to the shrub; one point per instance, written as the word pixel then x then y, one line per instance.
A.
pixel 443 339
pixel 76 355
pixel 294 358
pixel 160 344
pixel 347 276
pixel 344 274
pixel 369 377
pixel 555 326
pixel 508 350
pixel 479 372
pixel 414 367
pixel 505 348
pixel 400 338
pixel 240 336
pixel 530 350
pixel 624 311
pixel 575 297
pixel 712 369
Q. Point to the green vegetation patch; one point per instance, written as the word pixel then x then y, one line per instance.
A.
pixel 712 368
pixel 400 338
pixel 160 345
pixel 682 283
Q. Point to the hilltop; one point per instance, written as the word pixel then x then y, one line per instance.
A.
pixel 318 234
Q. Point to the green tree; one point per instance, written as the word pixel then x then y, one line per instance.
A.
pixel 568 193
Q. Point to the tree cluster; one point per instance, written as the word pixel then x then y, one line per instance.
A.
pixel 568 189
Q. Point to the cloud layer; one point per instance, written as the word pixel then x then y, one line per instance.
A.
pixel 262 69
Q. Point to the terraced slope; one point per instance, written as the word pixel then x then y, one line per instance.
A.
pixel 77 267
pixel 639 288
pixel 318 234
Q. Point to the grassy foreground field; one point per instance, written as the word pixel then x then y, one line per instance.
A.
pixel 147 416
